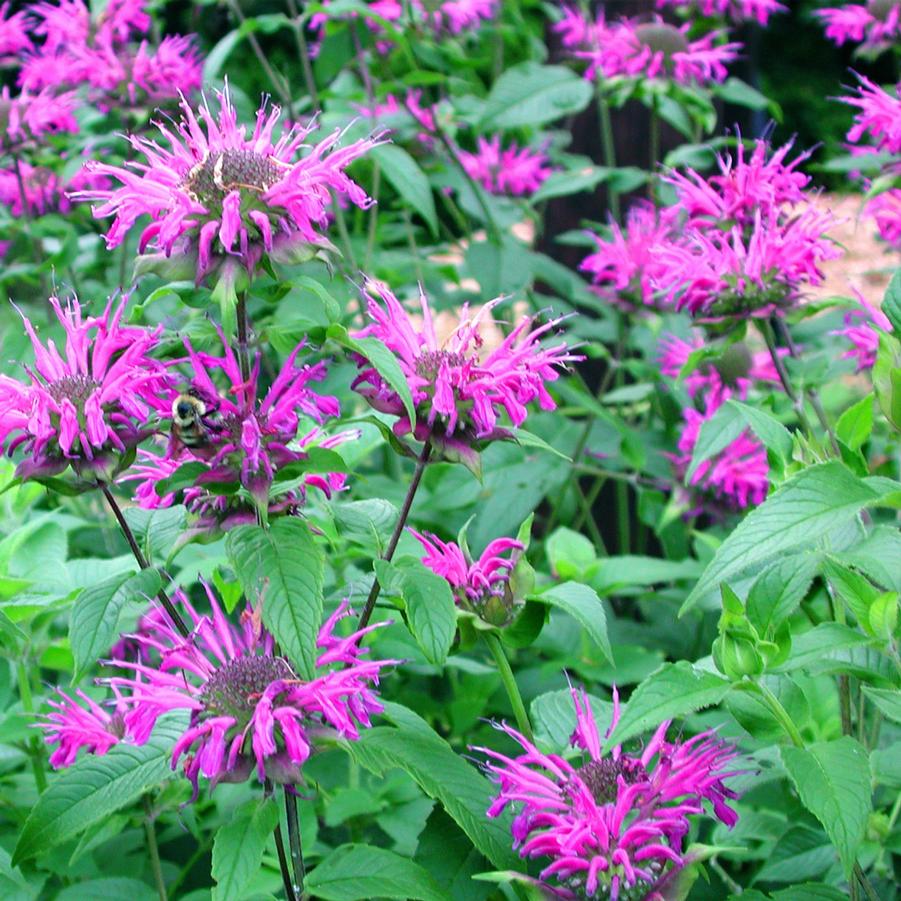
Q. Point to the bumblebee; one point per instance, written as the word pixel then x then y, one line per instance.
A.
pixel 194 420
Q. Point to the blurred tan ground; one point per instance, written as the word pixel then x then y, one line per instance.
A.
pixel 866 264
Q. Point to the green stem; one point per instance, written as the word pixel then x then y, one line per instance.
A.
pixel 294 843
pixel 421 464
pixel 279 83
pixel 609 148
pixel 510 686
pixel 36 751
pixel 654 149
pixel 781 715
pixel 169 607
pixel 623 525
pixel 26 221
pixel 243 346
pixel 154 851
pixel 865 883
pixel 766 329
pixel 844 685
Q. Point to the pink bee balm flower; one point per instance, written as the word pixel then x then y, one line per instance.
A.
pixel 876 24
pixel 879 116
pixel 218 194
pixel 174 65
pixel 885 210
pixel 88 406
pixel 410 106
pixel 860 328
pixel 457 16
pixel 459 391
pixel 655 50
pixel 610 826
pixel 240 439
pixel 481 586
pixel 72 727
pixel 737 10
pixel 622 268
pixel 513 170
pixel 31 116
pixel 14 37
pixel 43 191
pixel 249 709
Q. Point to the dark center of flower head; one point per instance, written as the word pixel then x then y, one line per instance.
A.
pixel 218 174
pixel 600 776
pixel 662 38
pixel 428 363
pixel 879 9
pixel 75 388
pixel 235 688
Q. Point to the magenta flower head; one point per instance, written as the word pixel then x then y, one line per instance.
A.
pixel 751 240
pixel 249 709
pixel 614 825
pixel 885 210
pixel 481 586
pixel 73 726
pixel 878 117
pixel 213 194
pixel 28 117
pixel 655 49
pixel 737 10
pixel 861 328
pixel 14 37
pixel 514 170
pixel 623 268
pixel 243 442
pixel 875 25
pixel 86 407
pixel 459 389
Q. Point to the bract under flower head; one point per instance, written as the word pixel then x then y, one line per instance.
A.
pixel 215 193
pixel 243 441
pixel 481 586
pixel 737 10
pixel 88 406
pixel 876 24
pixel 632 49
pixel 458 390
pixel 613 826
pixel 249 708
pixel 513 170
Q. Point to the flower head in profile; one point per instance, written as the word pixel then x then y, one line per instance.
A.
pixel 73 726
pixel 632 49
pixel 459 388
pixel 614 825
pixel 87 406
pixel 513 170
pixel 28 117
pixel 875 25
pixel 622 268
pixel 481 586
pixel 737 10
pixel 885 210
pixel 249 710
pixel 861 329
pixel 751 239
pixel 14 38
pixel 457 16
pixel 878 116
pixel 215 193
pixel 242 441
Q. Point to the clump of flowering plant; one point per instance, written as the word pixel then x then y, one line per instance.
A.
pixel 752 238
pixel 459 387
pixel 510 170
pixel 215 194
pixel 737 10
pixel 241 441
pixel 89 406
pixel 249 710
pixel 481 586
pixel 614 825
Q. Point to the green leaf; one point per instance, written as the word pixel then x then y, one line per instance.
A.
pixel 532 95
pixel 239 845
pixel 110 888
pixel 779 589
pixel 888 701
pixel 833 781
pixel 216 58
pixel 553 716
pixel 95 615
pixel 408 180
pixel 572 181
pixel 891 303
pixel 583 604
pixel 383 361
pixel 775 436
pixel 820 641
pixel 716 434
pixel 431 612
pixel 734 90
pixel 361 872
pixel 803 509
pixel 441 773
pixel 673 690
pixel 95 787
pixel 855 424
pixel 810 891
pixel 183 477
pixel 284 568
pixel 569 553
